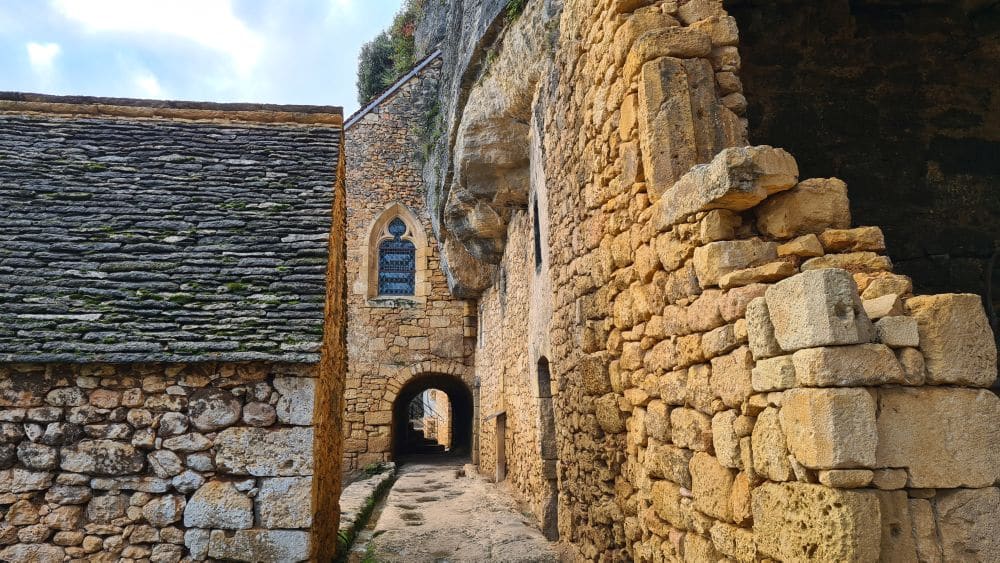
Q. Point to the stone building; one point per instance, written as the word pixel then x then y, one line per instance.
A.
pixel 407 332
pixel 171 330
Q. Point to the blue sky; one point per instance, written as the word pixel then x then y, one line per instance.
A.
pixel 273 51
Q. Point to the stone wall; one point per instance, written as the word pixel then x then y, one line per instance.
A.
pixel 105 462
pixel 392 340
pixel 890 97
pixel 739 372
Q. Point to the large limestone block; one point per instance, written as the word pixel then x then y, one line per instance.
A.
pixel 285 502
pixel 817 308
pixel 213 409
pixel 102 457
pixel 671 463
pixel 897 545
pixel 812 206
pixel 773 374
pixel 944 437
pixel 691 429
pixel 609 416
pixel 969 523
pixel 731 376
pixel 673 41
pixel 760 331
pixel 260 545
pixel 770 452
pixel 298 395
pixel 717 259
pixel 955 338
pixel 802 521
pixel 847 366
pixel 711 485
pixel 217 504
pixel 830 428
pixel 262 452
pixel 736 179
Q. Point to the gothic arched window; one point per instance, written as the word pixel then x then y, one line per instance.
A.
pixel 397 263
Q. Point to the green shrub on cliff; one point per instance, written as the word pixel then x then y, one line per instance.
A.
pixel 389 55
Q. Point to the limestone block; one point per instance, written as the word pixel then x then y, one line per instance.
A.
pixel 658 420
pixel 716 259
pixel 734 303
pixel 802 521
pixel 165 463
pixel 925 535
pixel 847 366
pixel 724 439
pixel 666 499
pixel 955 338
pixel 897 332
pixel 770 453
pixel 297 397
pixel 731 376
pixel 812 206
pixel 696 10
pixel 854 262
pixel 718 224
pixel 887 283
pixel 213 409
pixel 830 428
pixel 719 341
pixel 968 521
pixel 914 369
pixel 897 545
pixel 703 313
pixel 33 552
pixel 773 374
pixel 260 545
pixel 735 542
pixel 673 387
pixel 886 306
pixel 164 511
pixel 846 478
pixel 265 452
pixel 722 29
pixel 699 390
pixel 767 273
pixel 609 416
pixel 944 437
pixel 673 41
pixel 805 246
pixel 105 508
pixel 889 479
pixel 817 308
pixel 691 429
pixel 711 485
pixel 285 502
pixel 736 179
pixel 217 504
pixel 853 240
pixel 102 457
pixel 760 331
pixel 671 462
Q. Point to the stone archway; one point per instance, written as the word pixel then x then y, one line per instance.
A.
pixel 461 416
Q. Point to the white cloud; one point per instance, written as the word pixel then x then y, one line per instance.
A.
pixel 209 23
pixel 147 85
pixel 42 55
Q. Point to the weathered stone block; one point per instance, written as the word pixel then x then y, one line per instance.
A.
pixel 944 437
pixel 897 332
pixel 609 416
pixel 770 272
pixel 731 376
pixel 847 366
pixel 217 504
pixel 735 542
pixel 770 452
pixel 711 485
pixel 213 409
pixel 801 521
pixel 760 331
pixel 102 457
pixel 812 206
pixel 968 520
pixel 164 511
pixel 691 429
pixel 285 502
pixel 260 545
pixel 854 262
pixel 658 420
pixel 725 440
pixel 830 428
pixel 853 240
pixel 593 371
pixel 298 395
pixel 671 462
pixel 817 308
pixel 717 259
pixel 846 478
pixel 955 338
pixel 773 374
pixel 736 179
pixel 264 452
pixel 805 246
pixel 885 306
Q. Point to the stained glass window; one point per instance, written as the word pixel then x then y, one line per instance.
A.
pixel 396 262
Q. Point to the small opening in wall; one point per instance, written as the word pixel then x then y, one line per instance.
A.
pixel 538 236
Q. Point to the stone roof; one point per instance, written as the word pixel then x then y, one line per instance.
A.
pixel 163 231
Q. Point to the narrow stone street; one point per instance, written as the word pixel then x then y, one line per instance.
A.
pixel 439 511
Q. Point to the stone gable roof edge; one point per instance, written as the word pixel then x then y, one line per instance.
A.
pixel 356 116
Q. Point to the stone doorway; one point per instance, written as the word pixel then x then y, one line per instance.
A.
pixel 432 413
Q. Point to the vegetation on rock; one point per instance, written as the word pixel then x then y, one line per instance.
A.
pixel 389 55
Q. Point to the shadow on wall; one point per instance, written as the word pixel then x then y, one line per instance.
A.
pixel 896 101
pixel 406 439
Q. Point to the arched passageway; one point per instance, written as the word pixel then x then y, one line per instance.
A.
pixel 408 437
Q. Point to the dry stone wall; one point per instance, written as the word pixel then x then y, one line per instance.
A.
pixel 740 373
pixel 108 462
pixel 392 340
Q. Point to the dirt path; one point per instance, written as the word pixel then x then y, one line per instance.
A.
pixel 435 513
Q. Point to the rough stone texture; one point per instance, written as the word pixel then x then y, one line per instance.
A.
pixel 847 366
pixel 810 207
pixel 967 521
pixel 284 502
pixel 263 452
pixel 830 428
pixel 955 338
pixel 255 545
pixel 942 436
pixel 218 504
pixel 143 239
pixel 800 521
pixel 817 308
